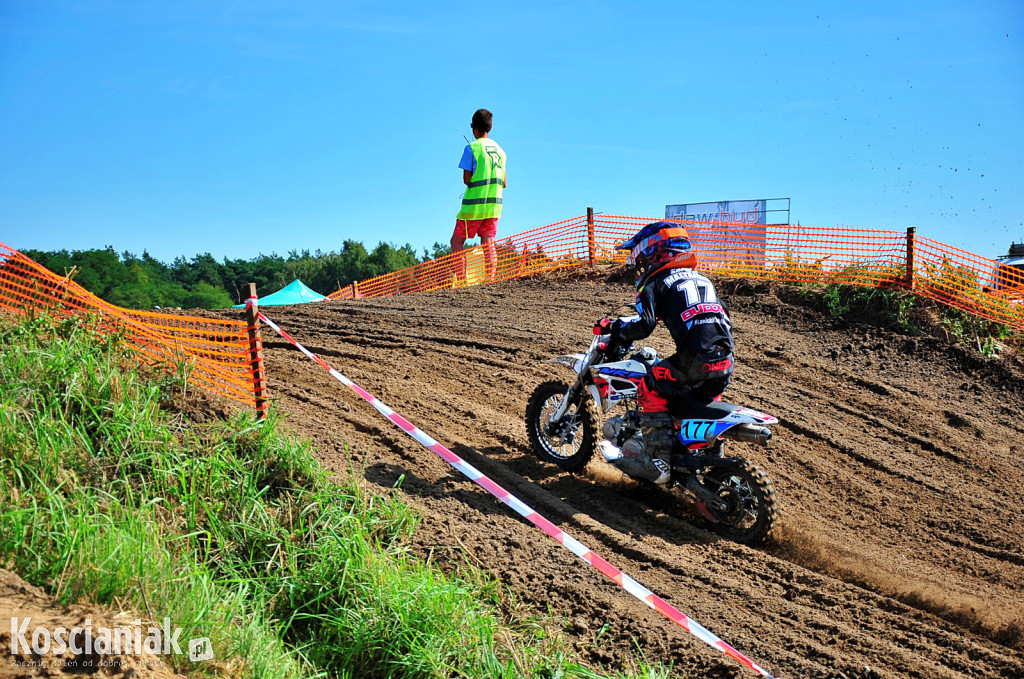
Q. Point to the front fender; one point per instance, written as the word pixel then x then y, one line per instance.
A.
pixel 571 361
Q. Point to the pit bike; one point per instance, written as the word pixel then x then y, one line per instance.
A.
pixel 562 421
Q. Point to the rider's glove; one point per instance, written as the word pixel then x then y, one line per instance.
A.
pixel 603 329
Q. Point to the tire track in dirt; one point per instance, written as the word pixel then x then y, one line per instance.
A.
pixel 883 548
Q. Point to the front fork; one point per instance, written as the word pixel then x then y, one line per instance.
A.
pixel 577 388
pixel 570 397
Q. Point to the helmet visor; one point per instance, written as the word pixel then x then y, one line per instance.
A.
pixel 647 246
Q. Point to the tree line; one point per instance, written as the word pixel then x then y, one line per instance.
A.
pixel 144 282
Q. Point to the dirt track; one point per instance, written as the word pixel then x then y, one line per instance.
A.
pixel 898 464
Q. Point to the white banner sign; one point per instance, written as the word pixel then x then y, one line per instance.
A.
pixel 728 234
pixel 734 211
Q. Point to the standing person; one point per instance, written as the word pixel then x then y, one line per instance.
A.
pixel 483 172
pixel 669 288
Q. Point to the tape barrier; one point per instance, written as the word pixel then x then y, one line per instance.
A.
pixel 575 546
pixel 778 252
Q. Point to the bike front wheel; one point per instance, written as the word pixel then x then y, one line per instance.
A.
pixel 569 443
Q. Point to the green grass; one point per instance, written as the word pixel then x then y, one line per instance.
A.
pixel 970 331
pixel 889 307
pixel 109 494
pixel 892 309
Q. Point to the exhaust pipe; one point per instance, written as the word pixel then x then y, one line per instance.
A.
pixel 750 433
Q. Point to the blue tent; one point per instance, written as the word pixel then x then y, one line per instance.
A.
pixel 295 292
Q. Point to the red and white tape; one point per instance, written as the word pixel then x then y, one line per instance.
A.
pixel 572 544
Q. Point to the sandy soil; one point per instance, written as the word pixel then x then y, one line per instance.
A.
pixel 20 600
pixel 897 462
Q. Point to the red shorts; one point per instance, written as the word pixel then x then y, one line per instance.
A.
pixel 470 228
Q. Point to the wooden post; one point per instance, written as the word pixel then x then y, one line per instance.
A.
pixel 591 245
pixel 259 373
pixel 911 238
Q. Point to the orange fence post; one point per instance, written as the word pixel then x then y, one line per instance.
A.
pixel 259 373
pixel 591 246
pixel 911 238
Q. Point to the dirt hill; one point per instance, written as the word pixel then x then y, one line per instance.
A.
pixel 897 461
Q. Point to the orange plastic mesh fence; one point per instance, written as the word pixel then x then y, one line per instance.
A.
pixel 785 253
pixel 555 246
pixel 976 285
pixel 794 254
pixel 218 349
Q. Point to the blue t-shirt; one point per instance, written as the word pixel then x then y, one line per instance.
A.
pixel 468 161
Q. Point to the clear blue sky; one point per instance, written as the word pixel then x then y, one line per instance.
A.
pixel 256 126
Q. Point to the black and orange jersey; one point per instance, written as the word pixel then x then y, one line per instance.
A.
pixel 687 303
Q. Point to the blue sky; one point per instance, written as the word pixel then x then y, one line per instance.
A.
pixel 244 127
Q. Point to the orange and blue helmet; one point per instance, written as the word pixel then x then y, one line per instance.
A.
pixel 658 244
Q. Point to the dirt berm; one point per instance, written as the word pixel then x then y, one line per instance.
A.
pixel 897 461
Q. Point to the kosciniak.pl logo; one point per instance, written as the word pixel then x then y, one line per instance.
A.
pixel 92 641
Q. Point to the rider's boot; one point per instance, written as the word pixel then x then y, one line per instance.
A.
pixel 636 463
pixel 659 437
pixel 656 426
pixel 647 456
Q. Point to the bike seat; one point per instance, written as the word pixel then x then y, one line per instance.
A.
pixel 700 408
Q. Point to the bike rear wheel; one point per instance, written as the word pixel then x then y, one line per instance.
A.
pixel 572 442
pixel 750 496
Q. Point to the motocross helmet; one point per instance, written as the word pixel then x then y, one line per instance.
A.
pixel 657 245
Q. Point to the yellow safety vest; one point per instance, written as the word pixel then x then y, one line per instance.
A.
pixel 483 194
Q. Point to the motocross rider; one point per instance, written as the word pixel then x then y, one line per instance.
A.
pixel 668 288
